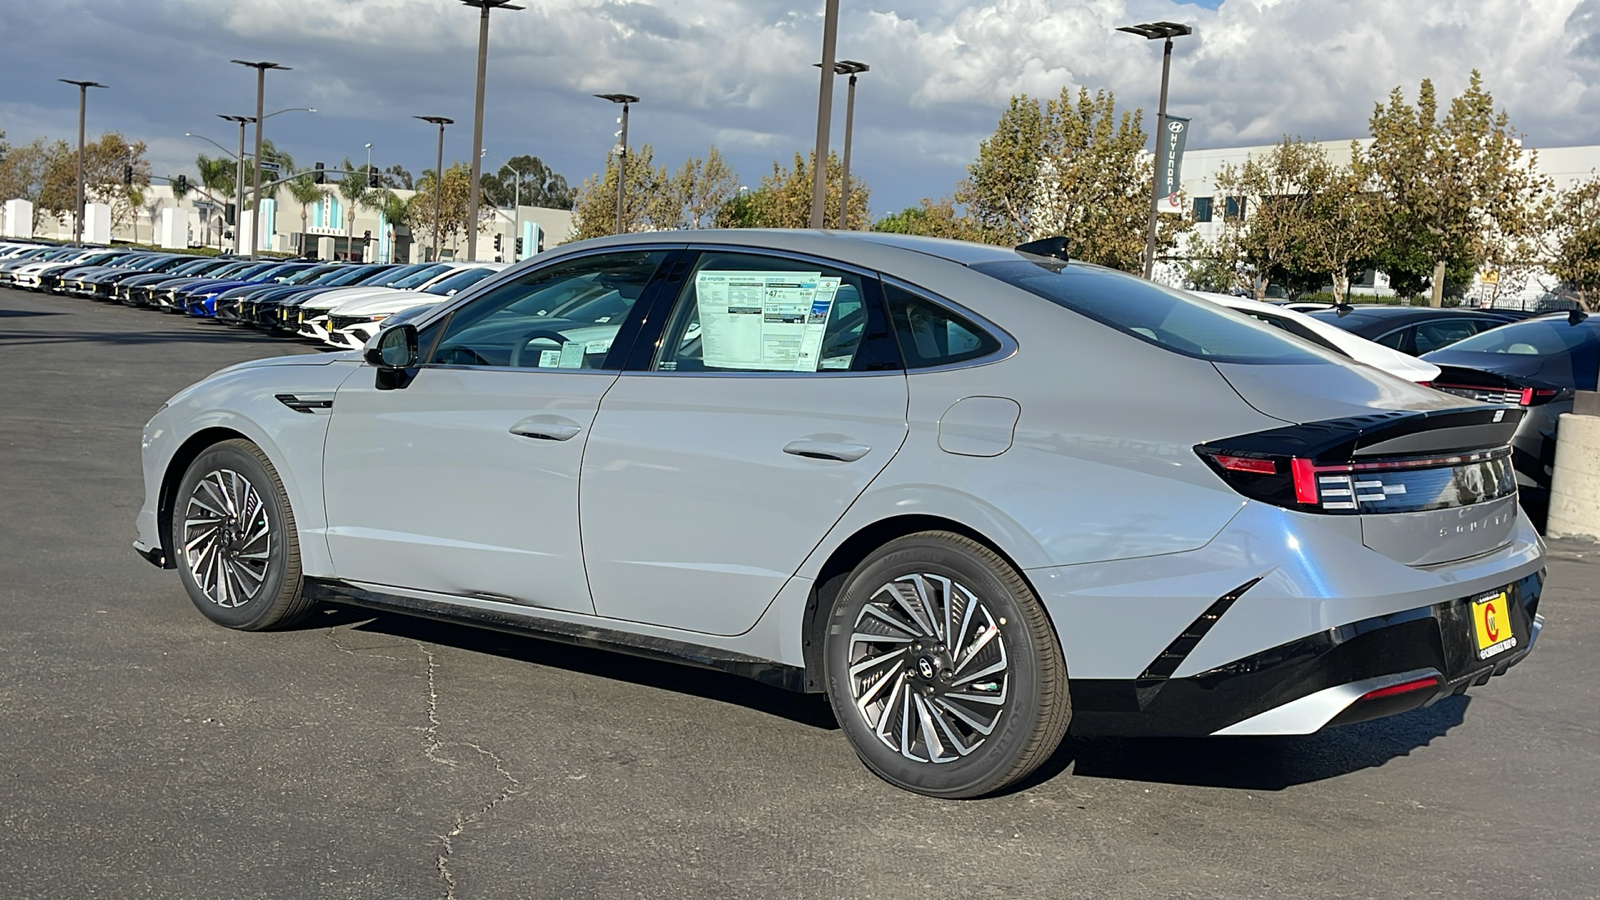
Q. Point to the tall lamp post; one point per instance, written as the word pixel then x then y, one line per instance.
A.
pixel 1164 31
pixel 852 68
pixel 83 101
pixel 238 184
pixel 819 173
pixel 255 190
pixel 477 118
pixel 622 148
pixel 438 177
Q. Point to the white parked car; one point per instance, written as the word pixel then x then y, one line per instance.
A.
pixel 1401 365
pixel 350 324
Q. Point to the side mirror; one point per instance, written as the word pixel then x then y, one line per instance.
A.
pixel 394 348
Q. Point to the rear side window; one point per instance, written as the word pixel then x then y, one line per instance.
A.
pixel 931 335
pixel 1540 337
pixel 1172 320
pixel 1443 333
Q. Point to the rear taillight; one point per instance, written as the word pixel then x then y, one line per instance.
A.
pixel 1405 687
pixel 1536 396
pixel 1382 463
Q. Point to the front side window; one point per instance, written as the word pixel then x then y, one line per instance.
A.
pixel 562 316
pixel 1174 320
pixel 746 312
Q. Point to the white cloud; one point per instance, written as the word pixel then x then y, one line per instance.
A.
pixel 739 71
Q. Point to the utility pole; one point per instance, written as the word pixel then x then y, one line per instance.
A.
pixel 1151 31
pixel 477 119
pixel 819 174
pixel 621 150
pixel 255 192
pixel 438 178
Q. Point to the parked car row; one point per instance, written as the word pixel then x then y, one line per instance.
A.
pixel 337 304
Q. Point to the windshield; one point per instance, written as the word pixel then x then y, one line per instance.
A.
pixel 1534 337
pixel 421 276
pixel 350 275
pixel 448 286
pixel 383 276
pixel 1172 320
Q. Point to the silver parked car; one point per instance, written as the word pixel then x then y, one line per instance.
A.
pixel 980 497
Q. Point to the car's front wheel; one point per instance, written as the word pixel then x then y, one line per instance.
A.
pixel 234 540
pixel 943 669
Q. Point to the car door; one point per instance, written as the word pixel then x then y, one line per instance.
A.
pixel 465 480
pixel 772 397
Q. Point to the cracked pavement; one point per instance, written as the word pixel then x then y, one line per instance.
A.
pixel 147 753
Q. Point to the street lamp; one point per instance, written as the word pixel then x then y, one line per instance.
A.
pixel 622 148
pixel 438 177
pixel 83 100
pixel 238 184
pixel 255 191
pixel 516 208
pixel 477 118
pixel 852 68
pixel 819 174
pixel 1164 31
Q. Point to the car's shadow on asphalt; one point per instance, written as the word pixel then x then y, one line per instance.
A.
pixel 130 338
pixel 806 709
pixel 24 313
pixel 1239 763
pixel 1254 763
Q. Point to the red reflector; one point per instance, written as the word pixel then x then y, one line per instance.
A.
pixel 1305 480
pixel 1247 464
pixel 1404 687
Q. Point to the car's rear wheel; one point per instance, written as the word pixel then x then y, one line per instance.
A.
pixel 943 669
pixel 234 540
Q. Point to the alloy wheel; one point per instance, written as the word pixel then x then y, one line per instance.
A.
pixel 227 538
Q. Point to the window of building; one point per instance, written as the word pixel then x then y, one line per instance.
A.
pixel 1202 209
pixel 1233 208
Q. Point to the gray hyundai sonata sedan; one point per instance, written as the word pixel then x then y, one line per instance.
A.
pixel 980 497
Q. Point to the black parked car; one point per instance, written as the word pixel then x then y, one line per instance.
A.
pixel 1414 329
pixel 1536 363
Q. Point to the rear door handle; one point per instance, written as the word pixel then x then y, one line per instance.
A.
pixel 547 428
pixel 815 449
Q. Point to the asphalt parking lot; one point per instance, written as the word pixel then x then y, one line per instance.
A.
pixel 147 753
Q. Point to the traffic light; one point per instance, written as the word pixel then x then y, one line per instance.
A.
pixel 374 179
pixel 183 184
pixel 497 242
pixel 318 176
pixel 519 248
pixel 366 236
pixel 127 174
pixel 229 213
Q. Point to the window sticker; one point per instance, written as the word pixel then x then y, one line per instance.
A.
pixel 571 355
pixel 770 321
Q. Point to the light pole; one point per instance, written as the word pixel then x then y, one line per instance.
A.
pixel 238 184
pixel 852 68
pixel 622 148
pixel 1165 31
pixel 83 101
pixel 255 191
pixel 516 209
pixel 438 177
pixel 819 173
pixel 477 118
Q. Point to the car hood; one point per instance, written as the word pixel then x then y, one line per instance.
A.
pixel 305 359
pixel 340 296
pixel 1330 390
pixel 388 302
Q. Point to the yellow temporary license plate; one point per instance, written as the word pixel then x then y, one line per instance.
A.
pixel 1491 622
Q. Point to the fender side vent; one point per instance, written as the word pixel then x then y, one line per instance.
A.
pixel 1162 667
pixel 308 403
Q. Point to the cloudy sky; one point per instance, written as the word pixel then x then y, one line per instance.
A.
pixel 737 73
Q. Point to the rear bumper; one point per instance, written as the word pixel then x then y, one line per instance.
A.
pixel 1363 670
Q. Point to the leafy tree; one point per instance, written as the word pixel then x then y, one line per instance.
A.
pixel 1574 239
pixel 932 218
pixel 398 176
pixel 540 185
pixel 1448 188
pixel 740 211
pixel 103 162
pixel 22 174
pixel 784 198
pixel 1074 168
pixel 595 211
pixel 453 199
pixel 700 188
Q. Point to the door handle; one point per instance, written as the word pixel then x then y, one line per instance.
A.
pixel 546 428
pixel 815 449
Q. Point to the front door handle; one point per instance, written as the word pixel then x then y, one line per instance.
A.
pixel 547 428
pixel 815 449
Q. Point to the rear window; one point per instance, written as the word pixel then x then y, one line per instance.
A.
pixel 1170 319
pixel 1539 337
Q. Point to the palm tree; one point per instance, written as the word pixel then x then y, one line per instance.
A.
pixel 394 211
pixel 216 176
pixel 305 192
pixel 353 188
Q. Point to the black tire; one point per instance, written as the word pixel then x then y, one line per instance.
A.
pixel 1034 706
pixel 217 554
